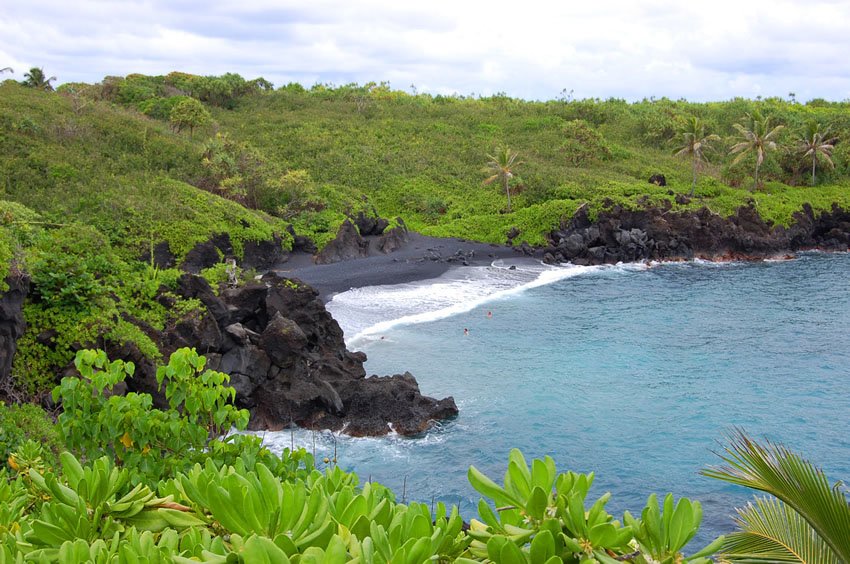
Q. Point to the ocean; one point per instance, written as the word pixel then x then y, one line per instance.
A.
pixel 635 372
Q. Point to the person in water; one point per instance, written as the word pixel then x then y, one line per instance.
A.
pixel 465 331
pixel 489 315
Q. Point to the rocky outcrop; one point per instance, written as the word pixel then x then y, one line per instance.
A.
pixel 12 322
pixel 658 180
pixel 301 243
pixel 258 255
pixel 287 360
pixel 621 235
pixel 348 244
pixel 393 239
pixel 370 225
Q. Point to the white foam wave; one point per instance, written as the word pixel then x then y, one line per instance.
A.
pixel 327 443
pixel 366 313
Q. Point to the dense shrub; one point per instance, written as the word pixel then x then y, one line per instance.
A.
pixel 27 422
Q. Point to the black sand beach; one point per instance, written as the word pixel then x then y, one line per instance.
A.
pixel 421 258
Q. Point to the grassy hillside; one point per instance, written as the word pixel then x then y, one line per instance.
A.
pixel 116 170
pixel 93 176
pixel 421 157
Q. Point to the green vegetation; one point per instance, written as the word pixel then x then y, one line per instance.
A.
pixel 757 138
pixel 190 113
pixel 36 78
pixel 501 168
pixel 806 520
pixel 694 142
pixel 816 144
pixel 95 177
pixel 167 488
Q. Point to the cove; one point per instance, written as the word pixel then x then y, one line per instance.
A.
pixel 633 372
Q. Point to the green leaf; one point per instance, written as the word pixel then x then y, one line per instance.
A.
pixel 488 516
pixel 540 476
pixel 261 550
pixel 537 503
pixel 335 553
pixel 680 525
pixel 494 547
pixel 511 554
pixel 603 535
pixel 798 483
pixel 542 547
pixel 771 531
pixel 72 468
pixel 709 549
pixel 490 489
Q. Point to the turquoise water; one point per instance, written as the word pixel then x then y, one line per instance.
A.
pixel 632 372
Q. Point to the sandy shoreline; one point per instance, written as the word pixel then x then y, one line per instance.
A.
pixel 421 258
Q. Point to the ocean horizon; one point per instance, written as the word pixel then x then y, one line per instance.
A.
pixel 636 372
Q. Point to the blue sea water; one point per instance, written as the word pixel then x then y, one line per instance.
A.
pixel 635 372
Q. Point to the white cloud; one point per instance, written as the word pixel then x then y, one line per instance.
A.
pixel 534 49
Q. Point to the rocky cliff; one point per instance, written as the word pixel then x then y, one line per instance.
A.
pixel 288 362
pixel 621 235
pixel 12 324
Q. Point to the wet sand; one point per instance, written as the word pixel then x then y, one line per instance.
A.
pixel 421 258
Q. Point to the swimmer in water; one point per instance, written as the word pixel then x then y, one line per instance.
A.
pixel 465 331
pixel 489 315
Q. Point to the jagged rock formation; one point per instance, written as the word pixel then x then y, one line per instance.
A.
pixel 354 239
pixel 393 239
pixel 288 363
pixel 348 244
pixel 259 255
pixel 621 235
pixel 12 322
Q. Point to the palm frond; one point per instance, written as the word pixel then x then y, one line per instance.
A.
pixel 776 470
pixel 770 531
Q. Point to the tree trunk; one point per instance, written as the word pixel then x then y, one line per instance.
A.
pixel 694 185
pixel 508 192
pixel 756 179
pixel 814 160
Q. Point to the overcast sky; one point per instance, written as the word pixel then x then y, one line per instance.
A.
pixel 534 49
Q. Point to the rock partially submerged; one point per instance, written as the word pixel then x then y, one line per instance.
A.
pixel 288 362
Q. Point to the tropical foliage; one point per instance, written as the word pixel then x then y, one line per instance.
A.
pixel 817 143
pixel 756 138
pixel 238 504
pixel 501 168
pixel 36 78
pixel 190 113
pixel 694 142
pixel 809 519
pixel 94 179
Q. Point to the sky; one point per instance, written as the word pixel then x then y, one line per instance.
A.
pixel 532 49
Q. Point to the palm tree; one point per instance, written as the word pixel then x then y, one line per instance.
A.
pixel 816 143
pixel 758 138
pixel 6 69
pixel 807 521
pixel 693 142
pixel 35 78
pixel 501 167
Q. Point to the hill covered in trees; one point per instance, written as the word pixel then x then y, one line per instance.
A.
pixel 108 186
pixel 110 189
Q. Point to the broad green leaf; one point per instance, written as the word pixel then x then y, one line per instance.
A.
pixel 537 503
pixel 490 489
pixel 542 547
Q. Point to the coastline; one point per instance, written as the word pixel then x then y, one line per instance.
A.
pixel 420 258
